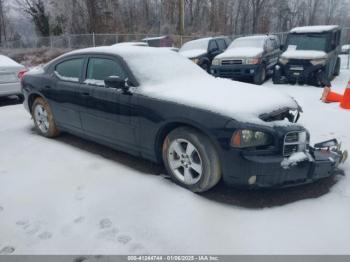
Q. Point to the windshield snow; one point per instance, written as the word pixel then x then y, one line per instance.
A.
pixel 157 66
pixel 201 44
pixel 248 42
pixel 316 42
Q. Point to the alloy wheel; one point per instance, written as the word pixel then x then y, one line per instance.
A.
pixel 41 118
pixel 185 161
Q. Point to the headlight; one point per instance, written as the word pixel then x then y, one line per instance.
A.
pixel 216 62
pixel 252 61
pixel 195 60
pixel 249 138
pixel 318 61
pixel 283 60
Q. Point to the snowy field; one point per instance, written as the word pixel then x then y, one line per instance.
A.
pixel 70 196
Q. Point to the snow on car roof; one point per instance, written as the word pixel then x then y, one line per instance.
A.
pixel 254 37
pixel 168 76
pixel 154 38
pixel 314 29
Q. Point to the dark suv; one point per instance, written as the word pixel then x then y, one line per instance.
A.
pixel 311 53
pixel 248 57
pixel 202 51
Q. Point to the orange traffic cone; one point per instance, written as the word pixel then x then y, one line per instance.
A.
pixel 345 103
pixel 330 97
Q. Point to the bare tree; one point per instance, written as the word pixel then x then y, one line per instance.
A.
pixel 36 9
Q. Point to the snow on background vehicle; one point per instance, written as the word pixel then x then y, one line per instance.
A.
pixel 195 48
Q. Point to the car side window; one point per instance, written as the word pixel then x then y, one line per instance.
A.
pixel 70 70
pixel 99 69
pixel 221 44
pixel 212 45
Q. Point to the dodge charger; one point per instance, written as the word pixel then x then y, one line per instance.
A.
pixel 158 105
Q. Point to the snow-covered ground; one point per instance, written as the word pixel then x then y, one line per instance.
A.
pixel 70 196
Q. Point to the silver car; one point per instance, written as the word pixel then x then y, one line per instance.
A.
pixel 10 73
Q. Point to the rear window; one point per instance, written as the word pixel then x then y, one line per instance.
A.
pixel 70 70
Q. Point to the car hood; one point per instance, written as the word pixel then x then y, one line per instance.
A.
pixel 241 52
pixel 240 101
pixel 193 53
pixel 304 54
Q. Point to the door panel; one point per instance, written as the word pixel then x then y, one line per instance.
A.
pixel 61 91
pixel 105 111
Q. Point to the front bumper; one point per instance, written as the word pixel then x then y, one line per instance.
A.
pixel 269 172
pixel 232 71
pixel 300 73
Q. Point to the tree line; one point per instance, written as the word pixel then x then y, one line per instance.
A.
pixel 202 17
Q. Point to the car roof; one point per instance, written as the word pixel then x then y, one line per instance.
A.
pixel 122 51
pixel 314 29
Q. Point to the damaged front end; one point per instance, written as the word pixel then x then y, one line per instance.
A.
pixel 324 157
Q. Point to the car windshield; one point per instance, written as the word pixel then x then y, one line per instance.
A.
pixel 316 42
pixel 201 44
pixel 248 42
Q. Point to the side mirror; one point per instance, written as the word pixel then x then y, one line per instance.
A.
pixel 117 83
pixel 282 47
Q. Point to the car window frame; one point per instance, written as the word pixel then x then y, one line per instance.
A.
pixel 103 56
pixel 66 59
pixel 50 67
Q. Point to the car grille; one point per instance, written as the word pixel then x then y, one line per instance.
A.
pixel 232 62
pixel 294 142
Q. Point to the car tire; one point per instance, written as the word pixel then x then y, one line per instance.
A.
pixel 337 67
pixel 260 77
pixel 191 159
pixel 43 118
pixel 205 67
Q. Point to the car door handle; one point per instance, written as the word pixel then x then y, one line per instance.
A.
pixel 47 87
pixel 85 94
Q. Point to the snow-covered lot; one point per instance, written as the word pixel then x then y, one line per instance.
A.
pixel 70 196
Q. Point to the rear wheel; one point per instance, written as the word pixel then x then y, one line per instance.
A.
pixel 43 118
pixel 191 159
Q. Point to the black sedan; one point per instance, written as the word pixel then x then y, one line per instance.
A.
pixel 158 105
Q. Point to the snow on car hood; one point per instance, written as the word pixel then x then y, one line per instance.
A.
pixel 241 52
pixel 303 54
pixel 193 53
pixel 168 76
pixel 237 100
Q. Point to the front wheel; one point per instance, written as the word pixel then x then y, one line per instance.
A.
pixel 43 118
pixel 260 76
pixel 205 66
pixel 191 159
